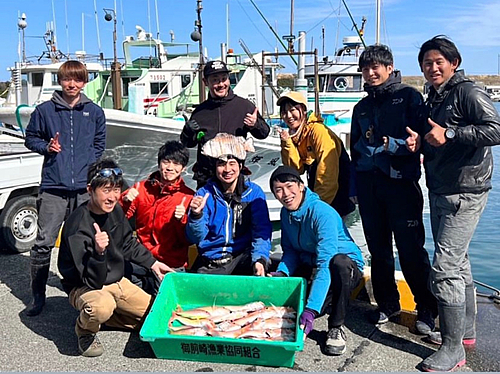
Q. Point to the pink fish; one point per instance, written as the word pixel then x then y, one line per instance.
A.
pixel 250 307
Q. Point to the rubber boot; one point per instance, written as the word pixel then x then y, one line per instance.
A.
pixel 470 319
pixel 451 354
pixel 39 268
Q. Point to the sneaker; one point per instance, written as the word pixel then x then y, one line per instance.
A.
pixel 383 315
pixel 335 341
pixel 89 345
pixel 425 322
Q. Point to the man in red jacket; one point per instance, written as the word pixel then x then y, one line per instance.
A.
pixel 159 207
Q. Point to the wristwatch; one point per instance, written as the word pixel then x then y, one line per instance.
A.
pixel 450 133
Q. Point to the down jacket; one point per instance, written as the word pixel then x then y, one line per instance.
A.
pixel 465 163
pixel 82 135
pixel 157 228
pixel 221 230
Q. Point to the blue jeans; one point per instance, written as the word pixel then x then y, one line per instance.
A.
pixel 453 220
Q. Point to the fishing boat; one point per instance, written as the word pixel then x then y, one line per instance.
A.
pixel 340 85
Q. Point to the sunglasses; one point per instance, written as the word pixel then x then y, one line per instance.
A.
pixel 106 173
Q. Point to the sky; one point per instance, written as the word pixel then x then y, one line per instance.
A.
pixel 405 25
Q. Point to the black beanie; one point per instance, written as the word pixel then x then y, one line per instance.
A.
pixel 283 170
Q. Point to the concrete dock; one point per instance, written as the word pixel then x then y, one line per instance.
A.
pixel 47 342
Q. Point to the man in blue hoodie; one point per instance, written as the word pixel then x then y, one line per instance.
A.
pixel 317 246
pixel 70 132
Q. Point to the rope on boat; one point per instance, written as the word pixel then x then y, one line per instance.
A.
pixel 495 296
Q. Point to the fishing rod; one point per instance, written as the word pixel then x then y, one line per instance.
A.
pixel 354 24
pixel 272 30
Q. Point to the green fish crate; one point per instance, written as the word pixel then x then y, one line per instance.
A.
pixel 198 290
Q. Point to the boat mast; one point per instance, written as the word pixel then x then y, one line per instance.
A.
pixel 196 36
pixel 377 23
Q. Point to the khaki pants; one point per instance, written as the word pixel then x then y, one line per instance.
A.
pixel 121 304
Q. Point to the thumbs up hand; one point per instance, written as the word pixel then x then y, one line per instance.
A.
pixel 198 203
pixel 180 209
pixel 132 193
pixel 101 239
pixel 412 141
pixel 251 118
pixel 435 137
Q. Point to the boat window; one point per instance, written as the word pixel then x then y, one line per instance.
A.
pixel 185 80
pixel 93 75
pixel 54 80
pixel 24 79
pixel 37 79
pixel 310 83
pixel 341 83
pixel 125 83
pixel 157 87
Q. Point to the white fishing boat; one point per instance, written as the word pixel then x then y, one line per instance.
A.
pixel 340 86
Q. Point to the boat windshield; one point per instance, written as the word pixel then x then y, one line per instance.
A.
pixel 337 83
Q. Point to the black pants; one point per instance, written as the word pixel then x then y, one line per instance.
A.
pixel 142 277
pixel 241 264
pixel 345 277
pixel 394 206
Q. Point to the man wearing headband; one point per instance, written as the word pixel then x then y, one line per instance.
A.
pixel 228 218
pixel 95 243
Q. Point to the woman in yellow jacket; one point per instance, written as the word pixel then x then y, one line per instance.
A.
pixel 310 146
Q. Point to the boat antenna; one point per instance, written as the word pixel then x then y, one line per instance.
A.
pixel 157 21
pixel 323 37
pixel 101 56
pixel 196 36
pixel 354 24
pixel 22 24
pixel 66 26
pixel 272 30
pixel 54 28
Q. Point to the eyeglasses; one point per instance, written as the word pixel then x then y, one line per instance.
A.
pixel 106 173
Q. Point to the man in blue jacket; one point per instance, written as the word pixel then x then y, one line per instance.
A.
pixel 228 218
pixel 317 246
pixel 70 132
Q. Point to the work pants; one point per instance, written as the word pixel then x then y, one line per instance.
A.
pixel 453 220
pixel 394 207
pixel 53 207
pixel 121 305
pixel 345 277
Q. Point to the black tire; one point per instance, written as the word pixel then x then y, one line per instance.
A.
pixel 18 224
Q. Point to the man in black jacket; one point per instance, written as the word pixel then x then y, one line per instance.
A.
pixel 389 196
pixel 462 126
pixel 96 241
pixel 222 112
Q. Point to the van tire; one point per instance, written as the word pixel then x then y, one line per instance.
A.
pixel 18 224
